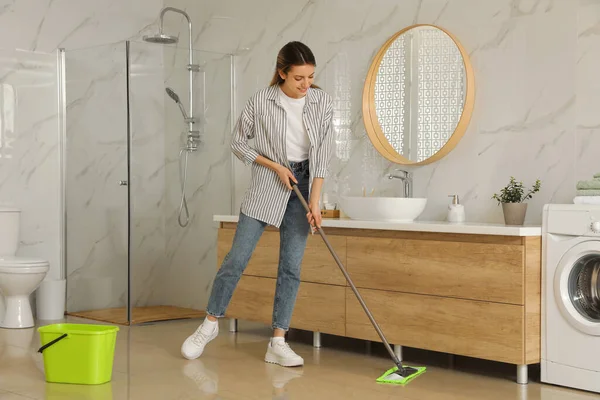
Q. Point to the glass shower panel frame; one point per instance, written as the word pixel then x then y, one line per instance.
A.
pixel 96 175
pixel 129 259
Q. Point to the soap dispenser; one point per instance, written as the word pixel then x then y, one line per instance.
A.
pixel 456 211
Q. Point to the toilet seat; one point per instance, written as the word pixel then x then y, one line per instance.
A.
pixel 22 265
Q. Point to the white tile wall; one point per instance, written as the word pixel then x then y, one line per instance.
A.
pixel 29 170
pixel 534 64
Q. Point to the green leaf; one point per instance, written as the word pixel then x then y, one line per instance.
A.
pixel 514 192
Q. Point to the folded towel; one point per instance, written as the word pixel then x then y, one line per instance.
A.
pixel 586 200
pixel 588 192
pixel 591 184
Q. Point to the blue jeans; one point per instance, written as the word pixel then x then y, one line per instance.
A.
pixel 293 234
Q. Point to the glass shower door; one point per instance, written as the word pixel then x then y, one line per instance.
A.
pixel 95 179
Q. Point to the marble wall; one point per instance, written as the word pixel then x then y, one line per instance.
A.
pixel 163 254
pixel 36 28
pixel 29 147
pixel 587 134
pixel 535 64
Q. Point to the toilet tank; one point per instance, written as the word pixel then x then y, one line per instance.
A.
pixel 9 230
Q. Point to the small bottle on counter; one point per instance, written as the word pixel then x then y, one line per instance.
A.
pixel 456 211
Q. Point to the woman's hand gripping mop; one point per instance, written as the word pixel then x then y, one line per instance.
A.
pixel 399 374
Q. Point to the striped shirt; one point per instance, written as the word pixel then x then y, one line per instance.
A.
pixel 264 120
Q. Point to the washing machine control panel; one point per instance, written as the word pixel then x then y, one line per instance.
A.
pixel 574 222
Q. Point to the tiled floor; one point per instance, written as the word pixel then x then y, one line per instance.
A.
pixel 148 365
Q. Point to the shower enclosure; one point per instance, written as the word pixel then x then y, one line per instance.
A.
pixel 145 171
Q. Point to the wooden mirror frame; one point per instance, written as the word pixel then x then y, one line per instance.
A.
pixel 371 121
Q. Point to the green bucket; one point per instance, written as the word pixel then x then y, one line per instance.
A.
pixel 78 353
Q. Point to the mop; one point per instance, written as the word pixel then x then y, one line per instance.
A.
pixel 399 374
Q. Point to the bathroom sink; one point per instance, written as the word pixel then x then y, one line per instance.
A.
pixel 396 209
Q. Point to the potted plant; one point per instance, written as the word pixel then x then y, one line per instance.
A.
pixel 512 198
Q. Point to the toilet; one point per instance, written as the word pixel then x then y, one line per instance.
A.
pixel 19 276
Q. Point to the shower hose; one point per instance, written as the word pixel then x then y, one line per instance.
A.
pixel 183 159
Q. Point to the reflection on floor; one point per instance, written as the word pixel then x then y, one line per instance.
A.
pixel 140 315
pixel 148 365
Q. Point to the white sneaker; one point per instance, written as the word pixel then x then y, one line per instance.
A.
pixel 281 353
pixel 194 345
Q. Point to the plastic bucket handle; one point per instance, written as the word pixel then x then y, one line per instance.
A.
pixel 44 347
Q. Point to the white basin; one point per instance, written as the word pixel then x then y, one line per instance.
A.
pixel 396 209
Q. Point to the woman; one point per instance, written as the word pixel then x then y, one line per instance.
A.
pixel 291 123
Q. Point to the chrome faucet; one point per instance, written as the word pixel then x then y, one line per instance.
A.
pixel 406 178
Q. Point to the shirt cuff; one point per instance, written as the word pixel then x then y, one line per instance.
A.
pixel 250 156
pixel 321 173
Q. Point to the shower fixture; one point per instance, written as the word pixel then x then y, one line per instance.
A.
pixel 193 135
pixel 175 98
pixel 162 38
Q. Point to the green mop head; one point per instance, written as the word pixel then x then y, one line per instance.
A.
pixel 401 376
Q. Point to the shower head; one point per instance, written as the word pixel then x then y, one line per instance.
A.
pixel 161 38
pixel 175 98
pixel 172 94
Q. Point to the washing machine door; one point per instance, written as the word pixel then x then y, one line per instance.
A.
pixel 577 287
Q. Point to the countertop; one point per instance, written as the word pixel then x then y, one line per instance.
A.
pixel 421 226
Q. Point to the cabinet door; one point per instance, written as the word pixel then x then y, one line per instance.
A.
pixel 471 328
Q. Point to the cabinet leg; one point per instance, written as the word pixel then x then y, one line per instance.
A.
pixel 317 339
pixel 522 374
pixel 451 361
pixel 233 325
pixel 398 351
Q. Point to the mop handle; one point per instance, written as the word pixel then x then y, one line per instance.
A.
pixel 339 263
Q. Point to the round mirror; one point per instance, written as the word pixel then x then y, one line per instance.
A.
pixel 418 95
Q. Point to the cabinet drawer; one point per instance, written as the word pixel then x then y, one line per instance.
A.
pixel 467 270
pixel 318 307
pixel 471 328
pixel 318 265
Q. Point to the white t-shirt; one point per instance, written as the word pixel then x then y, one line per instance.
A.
pixel 298 141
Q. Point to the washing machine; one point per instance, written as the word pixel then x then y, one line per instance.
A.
pixel 571 296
